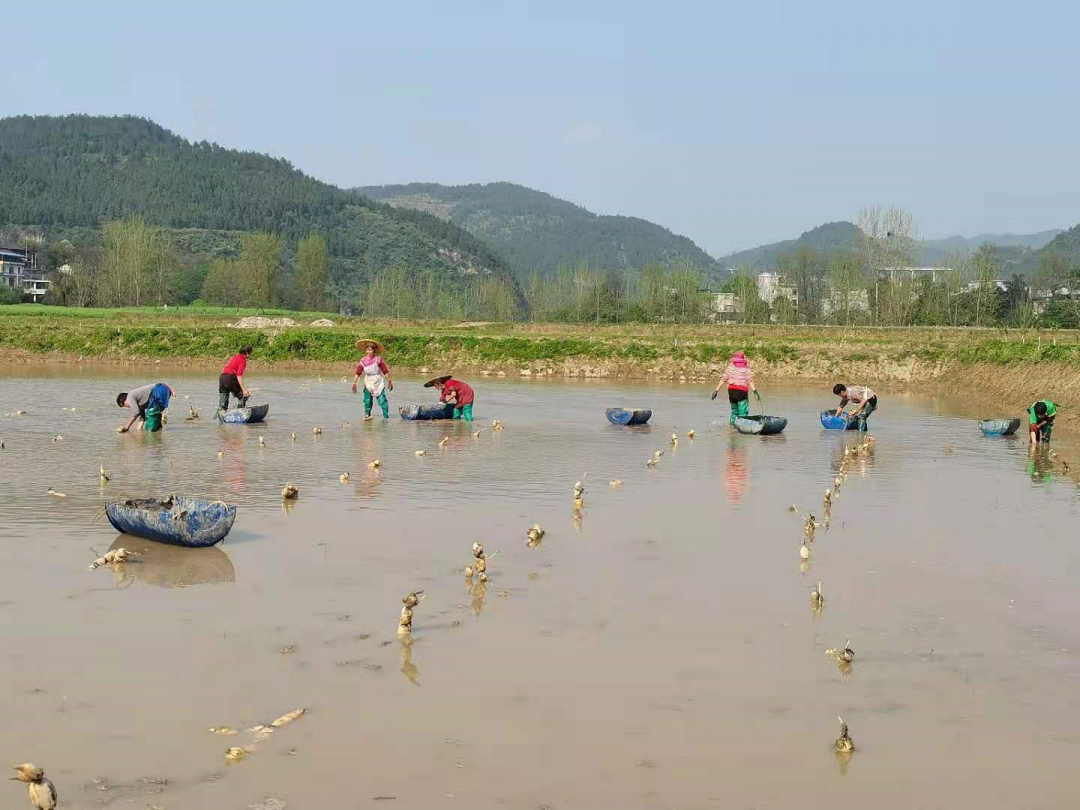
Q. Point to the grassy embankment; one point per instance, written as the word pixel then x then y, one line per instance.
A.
pixel 1008 367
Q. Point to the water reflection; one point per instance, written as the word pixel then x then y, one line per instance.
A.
pixel 737 472
pixel 1040 466
pixel 853 457
pixel 233 445
pixel 367 485
pixel 168 566
pixel 843 760
pixel 408 668
pixel 479 591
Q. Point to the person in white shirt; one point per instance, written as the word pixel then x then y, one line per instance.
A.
pixel 861 395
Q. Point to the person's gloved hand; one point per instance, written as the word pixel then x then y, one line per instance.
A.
pixel 757 394
pixel 714 393
pixel 390 384
pixel 354 388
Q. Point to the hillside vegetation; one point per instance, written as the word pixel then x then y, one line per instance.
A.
pixel 536 231
pixel 65 176
pixel 1066 244
pixel 825 239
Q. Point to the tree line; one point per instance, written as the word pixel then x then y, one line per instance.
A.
pixel 138 264
pixel 877 283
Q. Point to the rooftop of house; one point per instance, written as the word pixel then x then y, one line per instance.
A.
pixel 16 255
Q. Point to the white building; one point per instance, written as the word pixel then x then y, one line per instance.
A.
pixel 857 301
pixel 973 286
pixel 18 271
pixel 770 286
pixel 767 286
pixel 725 306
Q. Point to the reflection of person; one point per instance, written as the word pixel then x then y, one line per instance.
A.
pixel 408 668
pixel 231 380
pixel 740 382
pixel 376 375
pixel 1039 469
pixel 149 403
pixel 735 473
pixel 1041 421
pixel 456 393
pixel 234 459
pixel 861 395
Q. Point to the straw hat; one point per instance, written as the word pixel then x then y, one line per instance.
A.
pixel 363 344
pixel 436 380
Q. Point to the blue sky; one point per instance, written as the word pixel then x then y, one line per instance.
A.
pixel 732 123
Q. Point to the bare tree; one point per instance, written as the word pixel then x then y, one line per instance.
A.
pixel 136 263
pixel 75 282
pixel 890 245
pixel 987 268
pixel 847 284
pixel 805 269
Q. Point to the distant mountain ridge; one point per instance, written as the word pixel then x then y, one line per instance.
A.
pixel 1015 249
pixel 1018 252
pixel 537 231
pixel 1027 240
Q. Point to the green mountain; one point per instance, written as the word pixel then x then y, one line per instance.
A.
pixel 62 174
pixel 536 231
pixel 824 239
pixel 1066 243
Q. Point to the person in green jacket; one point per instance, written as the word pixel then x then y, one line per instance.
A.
pixel 1041 421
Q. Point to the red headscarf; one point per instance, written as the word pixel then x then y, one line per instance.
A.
pixel 739 359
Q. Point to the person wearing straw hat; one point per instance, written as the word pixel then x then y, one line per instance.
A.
pixel 456 393
pixel 376 375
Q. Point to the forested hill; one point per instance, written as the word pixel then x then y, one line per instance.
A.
pixel 536 231
pixel 80 170
pixel 1066 243
pixel 824 239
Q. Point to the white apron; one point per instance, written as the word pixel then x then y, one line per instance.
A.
pixel 374 381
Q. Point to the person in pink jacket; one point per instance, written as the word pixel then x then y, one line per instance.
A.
pixel 740 382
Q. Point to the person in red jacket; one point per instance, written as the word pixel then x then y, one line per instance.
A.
pixel 456 393
pixel 231 380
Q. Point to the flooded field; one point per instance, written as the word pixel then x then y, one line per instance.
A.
pixel 659 652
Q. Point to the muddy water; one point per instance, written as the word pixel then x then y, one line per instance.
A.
pixel 662 653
